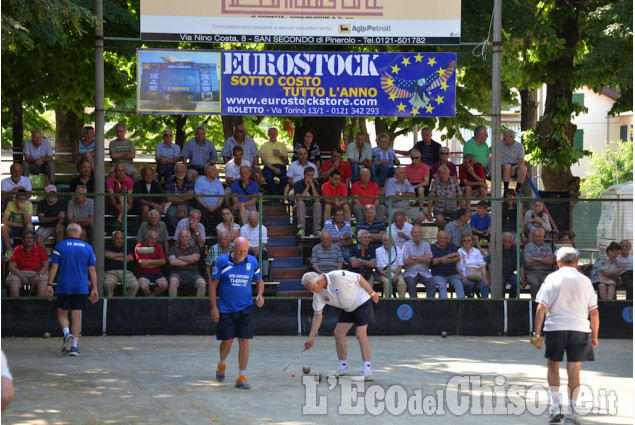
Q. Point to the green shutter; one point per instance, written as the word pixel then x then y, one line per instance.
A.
pixel 578 141
pixel 578 98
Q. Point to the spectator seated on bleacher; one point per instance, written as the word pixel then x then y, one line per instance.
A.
pixel 51 212
pixel 250 150
pixel 150 257
pixel 85 148
pixel 85 177
pixel 444 159
pixel 338 197
pixel 443 266
pixel 274 160
pixel 459 226
pixel 180 206
pixel 513 160
pixel 444 187
pixel 509 265
pixel 228 225
pixel 337 163
pixel 38 157
pixel 242 203
pixel 417 256
pixel 384 159
pixel 477 147
pixel 295 172
pixel 81 210
pixel 606 270
pixel 28 266
pixel 364 187
pixel 472 177
pixel 510 212
pixel 471 267
pixel 538 261
pixel 399 188
pixel 198 152
pixel 122 151
pixel 418 175
pixel 400 230
pixel 536 218
pixel 15 220
pixel 376 228
pixel 395 263
pixel 121 185
pixel 312 148
pixel 113 267
pixel 341 232
pixel 193 224
pixel 308 186
pixel 14 183
pixel 147 186
pixel 326 256
pixel 210 206
pixel 360 154
pixel 167 155
pixel 481 223
pixel 253 231
pixel 626 258
pixel 224 246
pixel 362 258
pixel 155 224
pixel 232 171
pixel 183 257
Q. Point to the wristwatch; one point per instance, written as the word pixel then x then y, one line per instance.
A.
pixel 399 193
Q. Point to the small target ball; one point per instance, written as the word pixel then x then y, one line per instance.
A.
pixel 444 334
pixel 306 369
pixel 293 375
pixel 46 335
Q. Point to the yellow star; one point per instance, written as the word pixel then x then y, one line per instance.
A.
pixel 405 61
pixel 432 61
pixel 439 99
pixel 414 111
pixel 429 108
pixel 390 82
pixel 418 58
pixel 441 71
pixel 392 96
pixel 444 85
pixel 401 107
pixel 396 69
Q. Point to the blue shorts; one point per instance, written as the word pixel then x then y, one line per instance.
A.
pixel 152 277
pixel 361 316
pixel 72 301
pixel 576 344
pixel 239 324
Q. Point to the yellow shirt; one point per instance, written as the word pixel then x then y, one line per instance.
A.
pixel 15 214
pixel 266 150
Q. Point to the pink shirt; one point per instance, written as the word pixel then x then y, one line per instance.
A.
pixel 117 187
pixel 417 175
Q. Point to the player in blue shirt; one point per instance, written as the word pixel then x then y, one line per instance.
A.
pixel 75 260
pixel 234 314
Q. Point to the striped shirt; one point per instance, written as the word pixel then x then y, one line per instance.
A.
pixel 327 259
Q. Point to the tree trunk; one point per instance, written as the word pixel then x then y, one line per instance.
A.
pixel 68 128
pixel 179 123
pixel 327 130
pixel 17 124
pixel 528 109
pixel 229 121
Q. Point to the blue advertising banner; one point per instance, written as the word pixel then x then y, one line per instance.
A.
pixel 304 83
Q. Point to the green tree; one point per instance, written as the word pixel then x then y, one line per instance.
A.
pixel 611 166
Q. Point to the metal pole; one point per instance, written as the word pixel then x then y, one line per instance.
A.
pixel 98 236
pixel 497 212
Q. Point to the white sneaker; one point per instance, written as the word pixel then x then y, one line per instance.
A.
pixel 555 414
pixel 572 420
pixel 363 376
pixel 337 373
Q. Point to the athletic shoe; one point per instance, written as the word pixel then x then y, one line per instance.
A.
pixel 241 382
pixel 317 233
pixel 363 376
pixel 555 414
pixel 300 233
pixel 336 374
pixel 572 420
pixel 66 343
pixel 220 372
pixel 8 253
pixel 74 351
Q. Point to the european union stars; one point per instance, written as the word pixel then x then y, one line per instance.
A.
pixel 420 92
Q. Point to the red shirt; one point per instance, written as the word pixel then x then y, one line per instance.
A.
pixel 158 254
pixel 29 261
pixel 479 170
pixel 358 190
pixel 329 190
pixel 344 170
pixel 417 175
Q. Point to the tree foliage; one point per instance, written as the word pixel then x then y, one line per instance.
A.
pixel 612 166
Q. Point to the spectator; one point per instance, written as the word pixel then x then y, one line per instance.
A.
pixel 147 186
pixel 326 256
pixel 399 188
pixel 85 148
pixel 198 152
pixel 510 212
pixel 536 218
pixel 360 155
pixel 121 185
pixel 15 220
pixel 341 232
pixel 510 259
pixel 365 192
pixel 192 223
pixel 444 187
pixel 38 157
pixel 85 177
pixel 375 228
pixel 481 223
pixel 122 151
pixel 605 271
pixel 295 173
pixel 308 187
pixel 242 203
pixel 28 266
pixel 250 150
pixel 513 160
pixel 362 258
pixel 538 261
pixel 429 148
pixel 472 177
pixel 626 258
pixel 232 168
pixel 417 257
pixel 256 234
pixel 51 213
pixel 443 266
pixel 183 257
pixel 471 267
pixel 81 210
pixel 384 159
pixel 275 160
pixel 210 206
pixel 477 147
pixel 113 267
pixel 338 197
pixel 180 206
pixel 400 230
pixel 459 226
pixel 224 246
pixel 16 182
pixel 444 159
pixel 167 155
pixel 394 263
pixel 337 163
pixel 150 258
pixel 228 225
pixel 155 224
pixel 418 175
pixel 312 148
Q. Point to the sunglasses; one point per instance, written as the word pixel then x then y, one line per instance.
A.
pixel 167 135
pixel 444 153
